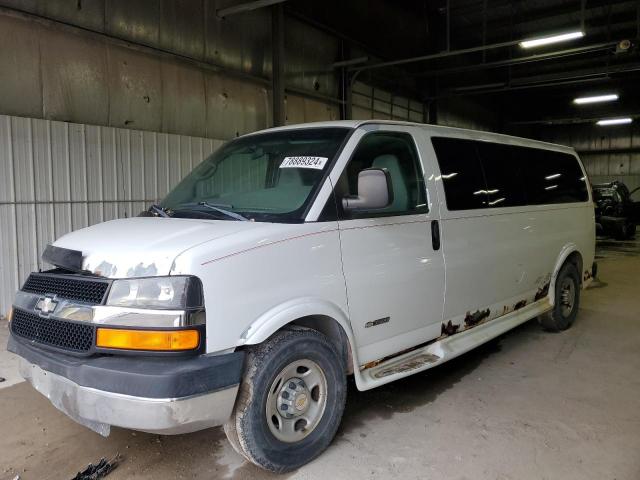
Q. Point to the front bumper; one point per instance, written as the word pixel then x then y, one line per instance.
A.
pixel 165 396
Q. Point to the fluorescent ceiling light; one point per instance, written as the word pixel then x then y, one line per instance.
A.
pixel 538 42
pixel 598 98
pixel 615 121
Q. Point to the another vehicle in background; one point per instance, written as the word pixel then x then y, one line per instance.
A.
pixel 617 213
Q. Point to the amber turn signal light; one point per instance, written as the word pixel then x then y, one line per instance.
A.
pixel 155 340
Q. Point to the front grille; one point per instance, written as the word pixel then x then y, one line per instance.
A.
pixel 66 286
pixel 50 331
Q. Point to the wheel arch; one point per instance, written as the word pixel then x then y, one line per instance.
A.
pixel 316 314
pixel 570 253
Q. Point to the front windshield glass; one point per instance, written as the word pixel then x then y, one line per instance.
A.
pixel 267 177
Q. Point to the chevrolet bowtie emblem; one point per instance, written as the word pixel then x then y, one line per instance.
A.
pixel 46 305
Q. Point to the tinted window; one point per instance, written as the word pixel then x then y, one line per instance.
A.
pixel 554 177
pixel 504 171
pixel 461 173
pixel 478 174
pixel 396 153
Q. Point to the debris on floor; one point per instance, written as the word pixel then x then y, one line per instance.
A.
pixel 94 471
pixel 2 379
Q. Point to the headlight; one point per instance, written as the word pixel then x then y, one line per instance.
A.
pixel 172 293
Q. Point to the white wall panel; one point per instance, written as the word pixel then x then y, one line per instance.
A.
pixel 56 177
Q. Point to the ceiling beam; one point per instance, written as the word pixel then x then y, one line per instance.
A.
pixel 572 120
pixel 542 81
pixel 246 7
pixel 518 60
pixel 444 54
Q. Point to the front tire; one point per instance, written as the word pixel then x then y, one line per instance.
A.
pixel 290 402
pixel 567 300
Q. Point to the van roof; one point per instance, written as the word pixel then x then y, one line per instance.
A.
pixel 439 129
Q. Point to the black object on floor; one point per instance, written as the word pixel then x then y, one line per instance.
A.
pixel 94 471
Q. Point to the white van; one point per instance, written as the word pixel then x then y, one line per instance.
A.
pixel 294 257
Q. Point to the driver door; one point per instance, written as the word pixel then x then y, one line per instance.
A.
pixel 394 275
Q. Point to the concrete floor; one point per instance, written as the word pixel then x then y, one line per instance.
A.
pixel 532 405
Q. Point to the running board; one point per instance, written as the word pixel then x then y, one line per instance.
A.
pixel 413 362
pixel 447 348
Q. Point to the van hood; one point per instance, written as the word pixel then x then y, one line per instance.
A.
pixel 143 246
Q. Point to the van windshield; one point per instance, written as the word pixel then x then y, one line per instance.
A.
pixel 270 177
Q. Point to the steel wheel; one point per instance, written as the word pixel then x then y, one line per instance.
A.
pixel 304 370
pixel 567 296
pixel 567 300
pixel 296 401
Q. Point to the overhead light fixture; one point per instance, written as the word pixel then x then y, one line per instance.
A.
pixel 615 121
pixel 596 99
pixel 538 42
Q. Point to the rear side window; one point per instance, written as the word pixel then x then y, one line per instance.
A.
pixel 554 177
pixel 461 173
pixel 504 172
pixel 478 174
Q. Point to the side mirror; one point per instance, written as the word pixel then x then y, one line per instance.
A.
pixel 374 191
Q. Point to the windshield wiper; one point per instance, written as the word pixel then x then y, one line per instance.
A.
pixel 158 210
pixel 228 213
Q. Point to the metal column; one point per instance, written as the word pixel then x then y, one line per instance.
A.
pixel 277 55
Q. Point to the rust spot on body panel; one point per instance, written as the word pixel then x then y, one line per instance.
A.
pixel 449 328
pixel 542 292
pixel 472 319
pixel 520 304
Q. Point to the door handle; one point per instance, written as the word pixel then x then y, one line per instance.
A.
pixel 435 234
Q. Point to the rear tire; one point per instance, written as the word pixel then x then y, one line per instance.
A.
pixel 622 231
pixel 290 402
pixel 631 230
pixel 567 300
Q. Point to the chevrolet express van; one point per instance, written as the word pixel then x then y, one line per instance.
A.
pixel 294 257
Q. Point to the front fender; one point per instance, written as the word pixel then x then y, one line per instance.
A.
pixel 276 318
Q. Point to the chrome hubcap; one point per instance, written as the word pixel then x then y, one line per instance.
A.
pixel 296 401
pixel 567 296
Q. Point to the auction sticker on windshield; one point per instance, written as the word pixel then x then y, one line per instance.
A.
pixel 304 162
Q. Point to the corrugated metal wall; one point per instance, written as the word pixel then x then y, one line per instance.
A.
pixel 376 103
pixel 466 112
pixel 56 177
pixel 608 153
